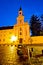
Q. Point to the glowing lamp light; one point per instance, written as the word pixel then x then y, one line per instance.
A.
pixel 14 38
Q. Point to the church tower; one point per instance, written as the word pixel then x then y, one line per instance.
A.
pixel 20 18
pixel 23 29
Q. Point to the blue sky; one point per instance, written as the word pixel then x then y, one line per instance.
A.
pixel 9 10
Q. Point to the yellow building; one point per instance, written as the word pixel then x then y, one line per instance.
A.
pixel 19 33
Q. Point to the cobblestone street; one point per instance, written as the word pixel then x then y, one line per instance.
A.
pixel 8 56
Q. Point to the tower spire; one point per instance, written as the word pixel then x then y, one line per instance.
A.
pixel 20 18
pixel 20 9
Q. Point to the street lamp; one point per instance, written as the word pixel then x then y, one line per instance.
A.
pixel 13 38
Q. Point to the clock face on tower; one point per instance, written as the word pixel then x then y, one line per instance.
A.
pixel 20 18
pixel 20 12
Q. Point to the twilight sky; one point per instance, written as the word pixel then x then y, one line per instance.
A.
pixel 9 10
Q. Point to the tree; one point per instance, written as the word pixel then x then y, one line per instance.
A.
pixel 35 25
pixel 41 19
pixel 41 33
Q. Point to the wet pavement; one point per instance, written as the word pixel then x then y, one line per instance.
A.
pixel 8 56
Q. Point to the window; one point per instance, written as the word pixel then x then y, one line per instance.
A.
pixel 20 33
pixel 42 51
pixel 9 32
pixel 20 40
pixel 4 34
pixel 11 45
pixel 20 21
pixel 0 39
pixel 15 45
pixel 20 29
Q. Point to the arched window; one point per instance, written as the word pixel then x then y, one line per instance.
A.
pixel 20 40
pixel 20 29
pixel 20 33
pixel 0 39
pixel 20 21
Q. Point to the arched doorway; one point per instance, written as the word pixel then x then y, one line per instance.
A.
pixel 20 40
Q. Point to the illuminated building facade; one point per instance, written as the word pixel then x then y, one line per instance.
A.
pixel 20 31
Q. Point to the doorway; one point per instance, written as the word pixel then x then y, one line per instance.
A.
pixel 20 40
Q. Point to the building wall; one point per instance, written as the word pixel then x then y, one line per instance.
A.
pixel 22 31
pixel 37 40
pixel 5 36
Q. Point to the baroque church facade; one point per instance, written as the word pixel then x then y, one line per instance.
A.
pixel 21 30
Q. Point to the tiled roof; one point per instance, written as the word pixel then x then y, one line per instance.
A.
pixel 6 27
